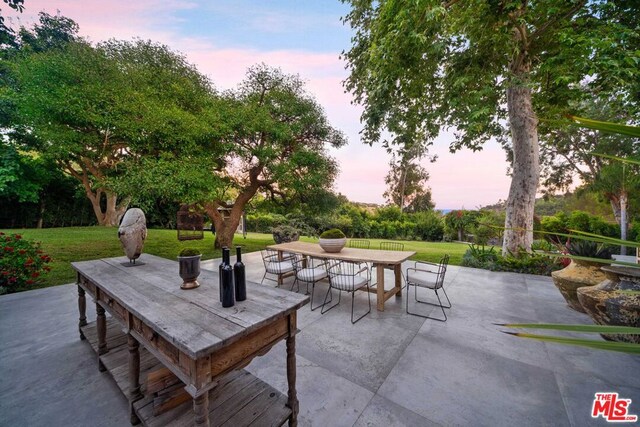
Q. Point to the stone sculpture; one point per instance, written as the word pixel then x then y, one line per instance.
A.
pixel 132 233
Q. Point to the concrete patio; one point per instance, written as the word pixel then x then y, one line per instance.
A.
pixel 388 369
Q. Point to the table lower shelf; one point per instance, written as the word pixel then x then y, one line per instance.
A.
pixel 239 399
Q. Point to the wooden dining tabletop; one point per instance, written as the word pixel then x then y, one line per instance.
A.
pixel 379 258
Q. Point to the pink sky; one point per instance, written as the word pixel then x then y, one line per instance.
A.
pixel 464 179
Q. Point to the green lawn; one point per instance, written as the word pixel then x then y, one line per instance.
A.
pixel 81 243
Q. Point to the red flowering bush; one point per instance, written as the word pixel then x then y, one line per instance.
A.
pixel 22 263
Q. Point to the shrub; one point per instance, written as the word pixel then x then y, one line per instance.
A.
pixel 552 224
pixel 543 245
pixel 601 227
pixel 480 257
pixel 334 233
pixel 488 259
pixel 389 213
pixel 22 263
pixel 264 222
pixel 285 233
pixel 578 220
pixel 189 252
pixel 428 226
pixel 526 263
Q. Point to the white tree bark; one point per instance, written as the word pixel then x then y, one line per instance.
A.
pixel 623 220
pixel 526 168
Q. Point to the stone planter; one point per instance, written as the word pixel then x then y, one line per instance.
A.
pixel 189 271
pixel 332 245
pixel 606 304
pixel 574 276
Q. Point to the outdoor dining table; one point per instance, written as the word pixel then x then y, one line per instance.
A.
pixel 379 258
pixel 188 368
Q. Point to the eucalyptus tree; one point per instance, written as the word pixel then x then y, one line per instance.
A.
pixel 90 108
pixel 406 183
pixel 486 69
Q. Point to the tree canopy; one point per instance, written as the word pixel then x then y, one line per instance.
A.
pixel 271 137
pixel 487 69
pixel 90 108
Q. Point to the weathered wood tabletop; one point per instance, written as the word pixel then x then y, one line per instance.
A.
pixel 379 258
pixel 188 331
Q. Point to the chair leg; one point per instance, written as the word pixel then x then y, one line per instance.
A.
pixel 295 281
pixel 352 299
pixel 442 307
pixel 323 311
pixel 313 287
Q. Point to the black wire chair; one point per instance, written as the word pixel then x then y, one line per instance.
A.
pixel 390 246
pixel 310 270
pixel 429 275
pixel 347 276
pixel 359 243
pixel 280 266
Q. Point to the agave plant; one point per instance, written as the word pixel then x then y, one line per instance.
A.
pixel 589 248
pixel 623 347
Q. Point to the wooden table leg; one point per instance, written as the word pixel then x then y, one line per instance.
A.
pixel 102 335
pixel 380 286
pixel 397 270
pixel 134 376
pixel 201 409
pixel 291 371
pixel 82 308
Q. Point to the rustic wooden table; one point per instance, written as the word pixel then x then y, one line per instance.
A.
pixel 192 348
pixel 379 258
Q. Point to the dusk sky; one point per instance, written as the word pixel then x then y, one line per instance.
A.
pixel 224 38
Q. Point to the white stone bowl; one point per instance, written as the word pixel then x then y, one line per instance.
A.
pixel 332 245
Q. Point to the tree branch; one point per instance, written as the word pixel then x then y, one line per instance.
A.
pixel 545 27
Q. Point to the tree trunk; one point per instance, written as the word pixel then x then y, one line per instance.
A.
pixel 115 211
pixel 615 207
pixel 460 234
pixel 526 164
pixel 41 213
pixel 623 220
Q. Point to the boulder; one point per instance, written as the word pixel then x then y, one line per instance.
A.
pixel 132 233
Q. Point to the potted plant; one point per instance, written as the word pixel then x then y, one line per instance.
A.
pixel 189 260
pixel 580 273
pixel 285 233
pixel 333 240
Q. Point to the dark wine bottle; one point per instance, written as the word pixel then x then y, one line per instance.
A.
pixel 226 280
pixel 239 277
pixel 220 273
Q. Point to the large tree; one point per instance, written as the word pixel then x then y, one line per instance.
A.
pixel 485 69
pixel 90 108
pixel 272 139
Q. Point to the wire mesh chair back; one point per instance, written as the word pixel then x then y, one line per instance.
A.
pixel 391 246
pixel 442 270
pixel 347 271
pixel 272 260
pixel 359 243
pixel 190 224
